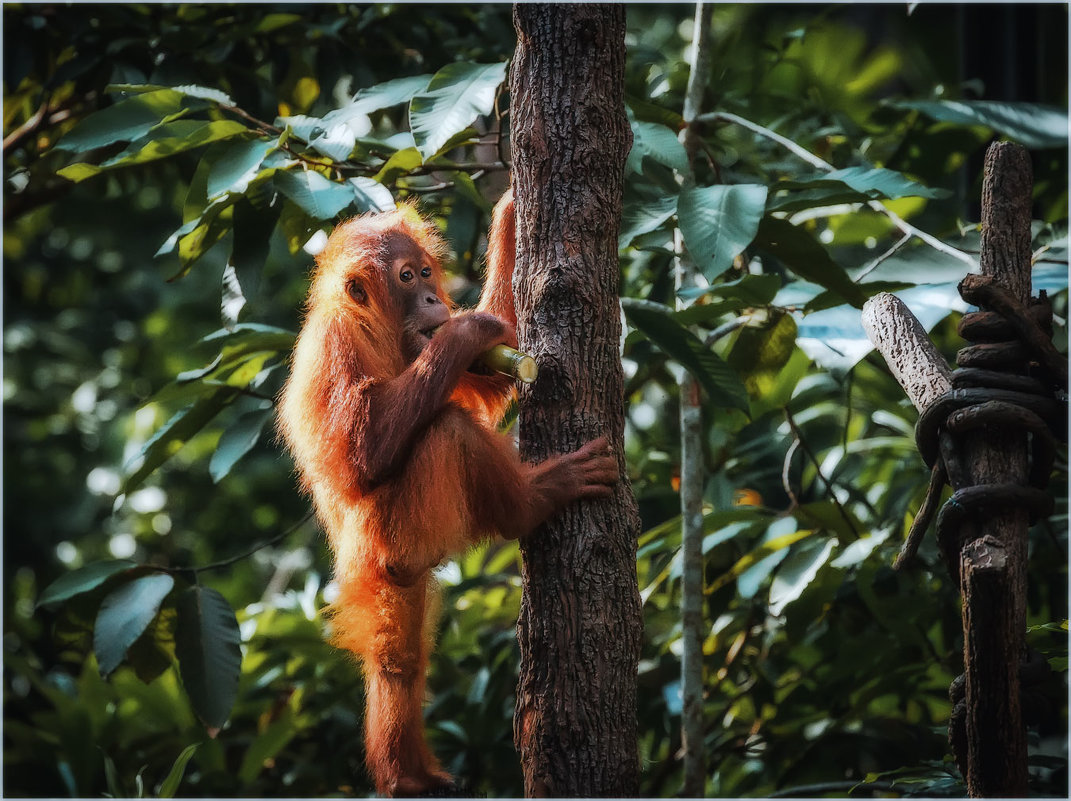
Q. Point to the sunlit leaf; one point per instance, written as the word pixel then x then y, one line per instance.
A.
pixel 797 572
pixel 187 90
pixel 455 97
pixel 176 137
pixel 371 195
pixel 318 197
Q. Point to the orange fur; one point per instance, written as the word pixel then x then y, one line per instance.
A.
pixel 402 459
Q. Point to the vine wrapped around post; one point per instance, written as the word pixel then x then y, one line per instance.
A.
pixel 987 431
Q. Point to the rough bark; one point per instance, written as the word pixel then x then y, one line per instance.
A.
pixel 913 360
pixel 580 627
pixel 994 630
pixel 992 561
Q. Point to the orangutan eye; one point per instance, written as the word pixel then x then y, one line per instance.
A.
pixel 425 273
pixel 407 275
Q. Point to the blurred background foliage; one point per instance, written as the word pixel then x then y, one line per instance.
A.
pixel 827 672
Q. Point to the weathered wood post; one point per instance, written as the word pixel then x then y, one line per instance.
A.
pixel 988 459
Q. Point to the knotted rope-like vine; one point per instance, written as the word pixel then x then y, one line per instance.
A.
pixel 990 389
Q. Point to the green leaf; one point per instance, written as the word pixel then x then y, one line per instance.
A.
pixel 235 164
pixel 171 138
pixel 801 253
pixel 153 652
pixel 314 194
pixel 124 616
pixel 1034 125
pixel 79 172
pixel 124 121
pixel 371 195
pixel 763 551
pixel 237 441
pixel 254 336
pixel 455 97
pixel 353 117
pixel 390 93
pixel 173 434
pixel 84 579
pixel 882 183
pixel 759 354
pixel 169 786
pixel 207 643
pixel 797 572
pixel 645 213
pixel 750 290
pixel 402 162
pixel 658 143
pixel 187 90
pixel 718 222
pixel 720 382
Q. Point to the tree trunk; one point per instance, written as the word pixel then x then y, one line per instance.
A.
pixel 580 627
pixel 993 560
pixel 693 474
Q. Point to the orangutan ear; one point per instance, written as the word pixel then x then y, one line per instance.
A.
pixel 357 292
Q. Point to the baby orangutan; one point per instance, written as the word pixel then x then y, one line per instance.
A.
pixel 394 437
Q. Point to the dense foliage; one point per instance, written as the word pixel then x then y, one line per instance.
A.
pixel 168 169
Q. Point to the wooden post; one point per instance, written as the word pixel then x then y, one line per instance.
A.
pixel 992 559
pixel 993 583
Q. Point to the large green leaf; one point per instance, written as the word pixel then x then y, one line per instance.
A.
pixel 658 143
pixel 124 615
pixel 718 222
pixel 1034 125
pixel 801 253
pixel 84 579
pixel 208 646
pixel 125 121
pixel 455 97
pixel 720 382
pixel 317 196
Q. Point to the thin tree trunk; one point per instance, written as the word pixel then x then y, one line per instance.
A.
pixel 580 627
pixel 993 561
pixel 693 477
